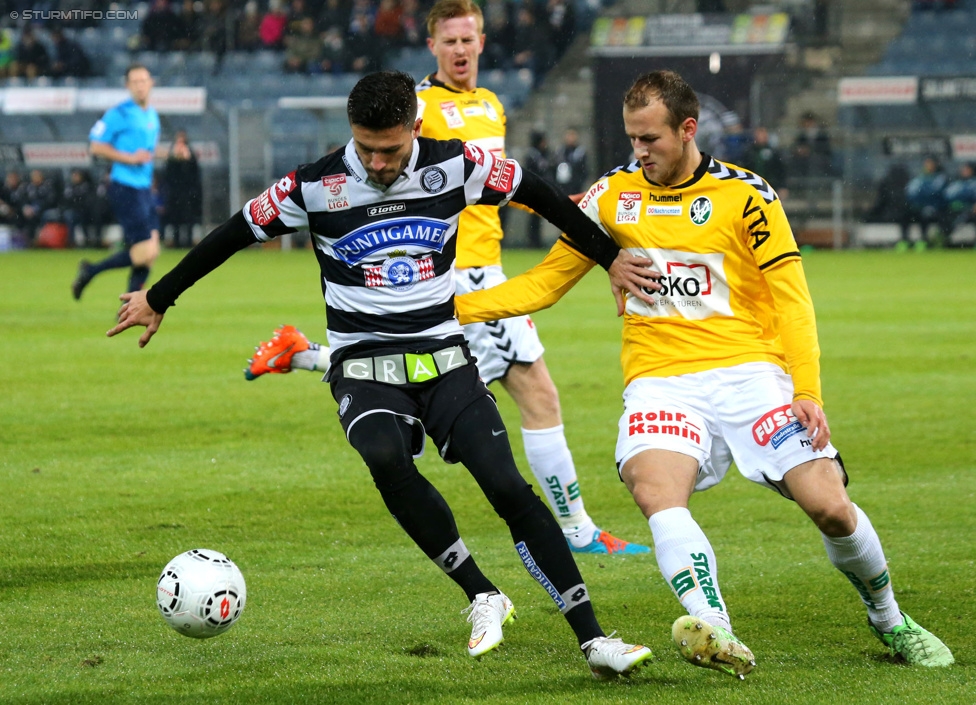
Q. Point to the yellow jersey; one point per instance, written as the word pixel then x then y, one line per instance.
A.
pixel 471 116
pixel 733 285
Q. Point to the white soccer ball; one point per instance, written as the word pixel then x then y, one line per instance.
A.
pixel 201 593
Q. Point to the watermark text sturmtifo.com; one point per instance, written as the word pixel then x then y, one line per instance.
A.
pixel 74 15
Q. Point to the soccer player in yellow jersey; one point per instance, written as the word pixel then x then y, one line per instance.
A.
pixel 453 106
pixel 723 367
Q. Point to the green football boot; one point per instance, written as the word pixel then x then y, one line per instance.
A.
pixel 917 646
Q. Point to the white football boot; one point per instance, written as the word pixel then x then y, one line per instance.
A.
pixel 609 658
pixel 488 613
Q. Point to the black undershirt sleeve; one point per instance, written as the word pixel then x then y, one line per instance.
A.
pixel 542 197
pixel 215 249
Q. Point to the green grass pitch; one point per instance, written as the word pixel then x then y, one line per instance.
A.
pixel 114 459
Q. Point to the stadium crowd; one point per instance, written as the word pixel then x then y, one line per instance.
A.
pixel 315 36
pixel 76 209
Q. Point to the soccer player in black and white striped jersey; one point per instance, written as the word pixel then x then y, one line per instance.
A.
pixel 383 214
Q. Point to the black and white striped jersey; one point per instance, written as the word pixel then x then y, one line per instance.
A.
pixel 386 254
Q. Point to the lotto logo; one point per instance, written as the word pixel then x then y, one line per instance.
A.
pixel 263 209
pixel 286 184
pixel 474 153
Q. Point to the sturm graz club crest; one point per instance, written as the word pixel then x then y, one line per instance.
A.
pixel 401 272
pixel 700 211
pixel 433 179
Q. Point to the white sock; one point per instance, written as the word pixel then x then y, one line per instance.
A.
pixel 315 359
pixel 687 562
pixel 552 465
pixel 861 559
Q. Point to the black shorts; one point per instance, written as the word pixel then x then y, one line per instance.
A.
pixel 431 407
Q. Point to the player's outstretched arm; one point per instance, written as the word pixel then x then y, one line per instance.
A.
pixel 147 308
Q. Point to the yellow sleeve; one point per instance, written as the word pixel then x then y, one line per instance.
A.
pixel 797 325
pixel 532 291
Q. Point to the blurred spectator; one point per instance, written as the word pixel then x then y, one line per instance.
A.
pixel 538 159
pixel 529 42
pixel 303 51
pixel 79 204
pixel 561 18
pixel 163 29
pixel 69 57
pixel 213 28
pixel 335 13
pixel 386 24
pixel 41 202
pixel 413 30
pixel 297 12
pixel 571 170
pixel 333 59
pixel 710 6
pixel 812 154
pixel 183 190
pixel 890 205
pixel 30 57
pixel 959 198
pixel 498 28
pixel 361 17
pixel 362 48
pixel 762 158
pixel 249 28
pixel 191 15
pixel 273 23
pixel 13 198
pixel 924 194
pixel 6 53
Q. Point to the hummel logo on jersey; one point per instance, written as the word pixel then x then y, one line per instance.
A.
pixel 701 210
pixel 385 209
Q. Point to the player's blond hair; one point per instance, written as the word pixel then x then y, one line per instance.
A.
pixel 451 9
pixel 668 87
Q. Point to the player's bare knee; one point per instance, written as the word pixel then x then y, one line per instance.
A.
pixel 836 519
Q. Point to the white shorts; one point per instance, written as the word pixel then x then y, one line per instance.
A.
pixel 499 344
pixel 739 414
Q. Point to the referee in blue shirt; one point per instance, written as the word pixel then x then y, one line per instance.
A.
pixel 126 136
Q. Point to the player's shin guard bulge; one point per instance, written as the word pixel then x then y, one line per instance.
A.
pixel 702 644
pixel 275 355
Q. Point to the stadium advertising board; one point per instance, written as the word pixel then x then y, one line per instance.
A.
pixel 64 101
pixel 880 90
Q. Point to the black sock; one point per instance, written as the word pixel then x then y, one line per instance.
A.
pixel 115 261
pixel 383 440
pixel 538 539
pixel 138 277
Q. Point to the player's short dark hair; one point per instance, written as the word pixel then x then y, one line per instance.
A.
pixel 668 87
pixel 135 67
pixel 383 100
